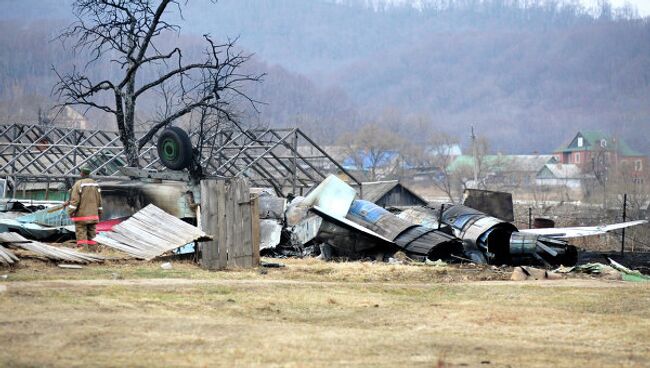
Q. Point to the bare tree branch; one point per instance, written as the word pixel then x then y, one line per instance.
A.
pixel 128 29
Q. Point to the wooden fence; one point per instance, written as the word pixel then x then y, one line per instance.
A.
pixel 230 215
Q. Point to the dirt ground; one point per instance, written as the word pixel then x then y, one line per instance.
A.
pixel 316 314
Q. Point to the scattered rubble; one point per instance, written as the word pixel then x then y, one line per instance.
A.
pixel 41 224
pixel 48 251
pixel 522 273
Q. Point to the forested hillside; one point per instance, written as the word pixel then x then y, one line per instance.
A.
pixel 527 74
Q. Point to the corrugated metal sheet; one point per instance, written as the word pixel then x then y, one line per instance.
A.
pixel 428 242
pixel 48 251
pixel 149 233
pixel 6 257
pixel 377 219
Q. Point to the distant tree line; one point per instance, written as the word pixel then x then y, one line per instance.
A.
pixel 527 73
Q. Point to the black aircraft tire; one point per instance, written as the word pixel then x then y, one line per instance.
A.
pixel 175 148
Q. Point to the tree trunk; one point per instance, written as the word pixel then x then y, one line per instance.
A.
pixel 131 143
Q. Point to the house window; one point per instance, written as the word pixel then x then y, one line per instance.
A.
pixel 577 158
pixel 638 165
pixel 580 142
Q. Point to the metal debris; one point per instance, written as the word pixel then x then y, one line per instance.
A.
pixel 40 224
pixel 495 204
pixel 48 251
pixel 270 232
pixel 415 240
pixel 272 265
pixel 582 231
pixel 70 266
pixel 149 233
pixel 333 196
pixel 522 273
pixel 306 230
pixel 270 206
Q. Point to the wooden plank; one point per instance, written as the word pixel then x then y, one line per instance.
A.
pixel 247 236
pixel 255 232
pixel 238 248
pixel 220 220
pixel 230 222
pixel 209 221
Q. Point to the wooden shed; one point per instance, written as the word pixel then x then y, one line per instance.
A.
pixel 390 194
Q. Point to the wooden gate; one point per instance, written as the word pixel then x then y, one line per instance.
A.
pixel 229 214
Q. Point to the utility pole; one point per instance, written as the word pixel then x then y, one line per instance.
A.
pixel 475 154
pixel 624 218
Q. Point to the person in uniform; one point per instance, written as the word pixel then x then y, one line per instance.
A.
pixel 85 208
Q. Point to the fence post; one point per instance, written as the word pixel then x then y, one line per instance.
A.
pixel 530 217
pixel 624 218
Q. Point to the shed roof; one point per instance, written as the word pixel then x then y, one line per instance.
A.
pixel 562 171
pixel 375 190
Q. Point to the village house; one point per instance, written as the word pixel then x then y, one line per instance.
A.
pixel 501 172
pixel 562 175
pixel 591 150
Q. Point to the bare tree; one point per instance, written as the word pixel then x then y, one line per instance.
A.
pixel 374 148
pixel 441 153
pixel 125 32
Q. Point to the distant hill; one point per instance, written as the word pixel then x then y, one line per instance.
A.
pixel 527 77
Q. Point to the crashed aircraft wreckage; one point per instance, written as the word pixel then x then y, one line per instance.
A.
pixel 360 228
pixel 415 240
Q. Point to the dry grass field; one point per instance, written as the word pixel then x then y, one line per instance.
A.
pixel 315 314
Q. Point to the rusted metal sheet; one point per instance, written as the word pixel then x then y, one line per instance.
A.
pixel 149 233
